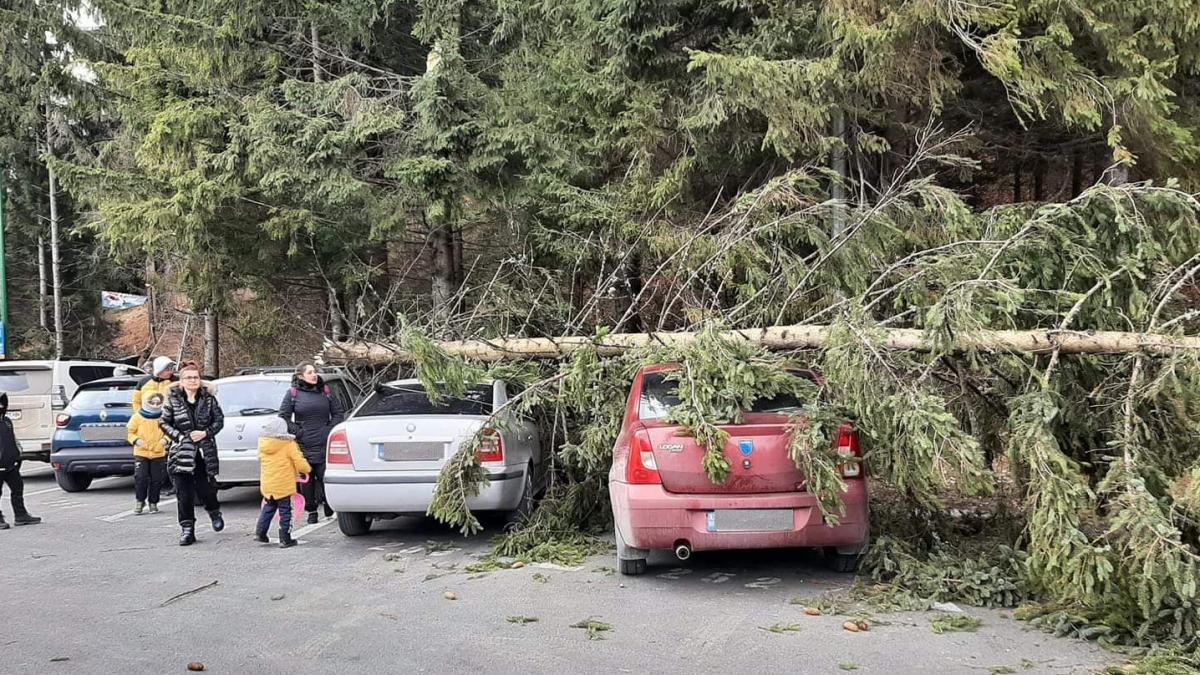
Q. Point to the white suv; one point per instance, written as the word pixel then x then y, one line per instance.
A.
pixel 249 399
pixel 38 390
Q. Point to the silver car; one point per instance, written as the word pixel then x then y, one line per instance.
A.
pixel 384 460
pixel 248 400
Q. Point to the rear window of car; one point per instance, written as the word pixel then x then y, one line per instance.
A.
pixel 96 398
pixel 411 399
pixel 659 396
pixel 26 382
pixel 252 397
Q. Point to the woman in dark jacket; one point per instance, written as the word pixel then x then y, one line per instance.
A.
pixel 311 412
pixel 192 418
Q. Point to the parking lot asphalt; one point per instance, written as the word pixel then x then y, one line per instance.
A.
pixel 96 589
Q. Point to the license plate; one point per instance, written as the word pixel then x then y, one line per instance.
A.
pixel 412 452
pixel 750 520
pixel 107 433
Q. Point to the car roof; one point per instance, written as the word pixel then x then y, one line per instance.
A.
pixel 412 381
pixel 256 377
pixel 110 381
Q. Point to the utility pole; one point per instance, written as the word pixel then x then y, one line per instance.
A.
pixel 3 270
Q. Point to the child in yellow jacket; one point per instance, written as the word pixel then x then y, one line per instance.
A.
pixel 280 461
pixel 149 452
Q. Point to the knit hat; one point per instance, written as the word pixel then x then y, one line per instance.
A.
pixel 152 406
pixel 276 428
pixel 160 364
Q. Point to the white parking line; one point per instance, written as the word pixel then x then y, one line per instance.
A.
pixel 124 514
pixel 311 528
pixel 58 489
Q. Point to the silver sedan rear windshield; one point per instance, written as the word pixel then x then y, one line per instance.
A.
pixel 411 399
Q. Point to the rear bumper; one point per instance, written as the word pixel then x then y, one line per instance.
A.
pixel 238 467
pixel 103 461
pixel 36 449
pixel 405 492
pixel 649 517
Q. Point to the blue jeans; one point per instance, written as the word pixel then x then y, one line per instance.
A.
pixel 270 506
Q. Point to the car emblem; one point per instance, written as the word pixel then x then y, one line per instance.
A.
pixel 747 448
pixel 103 415
pixel 411 428
pixel 671 447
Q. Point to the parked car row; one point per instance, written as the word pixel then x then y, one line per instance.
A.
pixel 384 460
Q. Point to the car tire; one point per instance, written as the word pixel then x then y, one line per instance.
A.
pixel 631 561
pixel 515 519
pixel 844 563
pixel 353 524
pixel 72 482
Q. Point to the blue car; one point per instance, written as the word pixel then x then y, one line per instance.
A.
pixel 90 435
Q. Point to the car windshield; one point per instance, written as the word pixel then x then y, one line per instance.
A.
pixel 659 396
pixel 252 397
pixel 25 382
pixel 113 396
pixel 411 399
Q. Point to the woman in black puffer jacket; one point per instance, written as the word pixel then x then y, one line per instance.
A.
pixel 311 411
pixel 192 418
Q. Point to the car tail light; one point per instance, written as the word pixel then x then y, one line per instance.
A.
pixel 641 469
pixel 491 447
pixel 62 420
pixel 847 446
pixel 338 449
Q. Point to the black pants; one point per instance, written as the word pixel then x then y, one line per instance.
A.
pixel 148 476
pixel 314 489
pixel 190 487
pixel 16 489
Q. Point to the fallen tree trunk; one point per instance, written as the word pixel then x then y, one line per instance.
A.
pixel 779 337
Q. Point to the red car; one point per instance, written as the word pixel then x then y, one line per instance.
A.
pixel 662 499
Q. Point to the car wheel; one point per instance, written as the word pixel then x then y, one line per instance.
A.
pixel 72 482
pixel 515 519
pixel 631 561
pixel 842 562
pixel 353 524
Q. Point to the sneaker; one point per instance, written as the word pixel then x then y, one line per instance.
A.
pixel 286 541
pixel 188 536
pixel 312 518
pixel 138 508
pixel 26 519
pixel 3 525
pixel 261 537
pixel 154 508
pixel 328 511
pixel 218 522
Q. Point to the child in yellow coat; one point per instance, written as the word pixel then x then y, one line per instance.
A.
pixel 280 461
pixel 149 452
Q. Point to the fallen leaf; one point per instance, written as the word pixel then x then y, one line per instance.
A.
pixel 850 626
pixel 812 611
pixel 450 595
pixel 517 565
pixel 278 597
pixel 863 625
pixel 195 666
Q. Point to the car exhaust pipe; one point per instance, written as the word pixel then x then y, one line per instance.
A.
pixel 683 551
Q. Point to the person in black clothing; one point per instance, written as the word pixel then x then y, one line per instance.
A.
pixel 10 470
pixel 311 412
pixel 192 418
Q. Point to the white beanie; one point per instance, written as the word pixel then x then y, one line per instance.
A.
pixel 276 428
pixel 160 364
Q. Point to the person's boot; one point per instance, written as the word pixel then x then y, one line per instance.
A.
pixel 188 536
pixel 137 509
pixel 218 522
pixel 25 519
pixel 328 511
pixel 153 507
pixel 261 537
pixel 285 540
pixel 3 525
pixel 312 518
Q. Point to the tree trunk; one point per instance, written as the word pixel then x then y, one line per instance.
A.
pixel 318 76
pixel 1039 180
pixel 838 163
pixel 442 272
pixel 55 272
pixel 459 270
pixel 1076 173
pixel 785 337
pixel 43 291
pixel 212 346
pixel 151 300
pixel 336 320
pixel 631 314
pixel 1017 183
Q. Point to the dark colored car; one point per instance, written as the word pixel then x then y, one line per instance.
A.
pixel 91 438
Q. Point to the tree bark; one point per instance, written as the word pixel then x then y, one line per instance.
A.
pixel 43 291
pixel 55 272
pixel 336 319
pixel 838 163
pixel 1017 183
pixel 1076 173
pixel 442 272
pixel 784 337
pixel 1039 180
pixel 212 346
pixel 318 76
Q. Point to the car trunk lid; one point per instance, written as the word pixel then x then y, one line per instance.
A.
pixel 408 442
pixel 757 451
